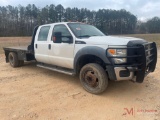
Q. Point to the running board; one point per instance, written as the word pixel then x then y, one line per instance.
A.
pixel 57 69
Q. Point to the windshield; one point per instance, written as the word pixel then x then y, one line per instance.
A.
pixel 84 30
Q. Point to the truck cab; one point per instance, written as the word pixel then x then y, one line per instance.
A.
pixel 80 49
pixel 55 45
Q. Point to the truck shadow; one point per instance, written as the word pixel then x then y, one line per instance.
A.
pixel 121 88
pixel 56 75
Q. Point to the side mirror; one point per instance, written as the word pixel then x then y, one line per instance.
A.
pixel 67 39
pixel 57 37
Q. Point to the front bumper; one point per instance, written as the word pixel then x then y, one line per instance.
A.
pixel 123 73
pixel 141 60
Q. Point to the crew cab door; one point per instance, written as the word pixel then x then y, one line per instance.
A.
pixel 62 47
pixel 41 44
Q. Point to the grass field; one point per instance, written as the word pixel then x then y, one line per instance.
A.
pixel 13 41
pixel 148 37
pixel 20 41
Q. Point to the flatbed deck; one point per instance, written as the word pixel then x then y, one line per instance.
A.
pixel 22 52
pixel 17 48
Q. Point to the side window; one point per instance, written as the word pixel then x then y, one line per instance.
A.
pixel 66 36
pixel 43 34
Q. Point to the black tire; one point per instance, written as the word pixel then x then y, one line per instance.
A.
pixel 13 59
pixel 20 63
pixel 93 78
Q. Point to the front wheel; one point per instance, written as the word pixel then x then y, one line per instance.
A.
pixel 93 78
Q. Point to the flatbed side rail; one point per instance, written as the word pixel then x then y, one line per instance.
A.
pixel 23 54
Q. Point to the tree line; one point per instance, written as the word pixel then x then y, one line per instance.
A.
pixel 21 20
pixel 150 26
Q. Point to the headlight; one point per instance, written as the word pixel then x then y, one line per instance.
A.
pixel 118 53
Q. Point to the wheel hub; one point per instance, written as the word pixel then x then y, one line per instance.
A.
pixel 11 59
pixel 91 79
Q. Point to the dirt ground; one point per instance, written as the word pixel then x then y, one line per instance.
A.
pixel 29 93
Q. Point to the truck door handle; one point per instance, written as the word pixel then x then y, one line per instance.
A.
pixel 49 46
pixel 36 46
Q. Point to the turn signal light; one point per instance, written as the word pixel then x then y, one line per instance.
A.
pixel 112 51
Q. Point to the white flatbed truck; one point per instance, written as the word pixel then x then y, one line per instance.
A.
pixel 80 49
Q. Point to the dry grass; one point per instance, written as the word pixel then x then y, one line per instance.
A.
pixel 13 41
pixel 148 37
pixel 20 41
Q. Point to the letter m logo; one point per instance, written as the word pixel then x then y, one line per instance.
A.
pixel 129 112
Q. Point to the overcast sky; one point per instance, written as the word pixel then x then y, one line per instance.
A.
pixel 143 9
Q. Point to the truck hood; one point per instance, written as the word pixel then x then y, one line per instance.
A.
pixel 109 40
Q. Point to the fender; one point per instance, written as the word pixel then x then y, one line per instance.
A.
pixel 91 50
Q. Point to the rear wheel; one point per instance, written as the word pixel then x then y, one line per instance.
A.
pixel 13 59
pixel 93 78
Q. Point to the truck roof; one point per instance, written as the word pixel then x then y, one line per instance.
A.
pixel 59 23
